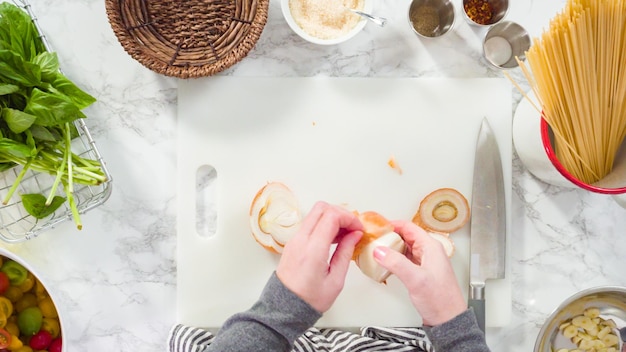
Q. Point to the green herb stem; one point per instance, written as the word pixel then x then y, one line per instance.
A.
pixel 73 208
pixel 19 178
pixel 68 146
pixel 57 180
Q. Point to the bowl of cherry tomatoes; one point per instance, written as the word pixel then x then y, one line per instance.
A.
pixel 29 320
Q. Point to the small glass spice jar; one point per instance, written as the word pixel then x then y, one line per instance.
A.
pixel 485 12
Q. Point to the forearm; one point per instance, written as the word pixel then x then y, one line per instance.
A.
pixel 461 334
pixel 272 324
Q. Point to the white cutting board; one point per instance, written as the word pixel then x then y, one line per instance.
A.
pixel 327 139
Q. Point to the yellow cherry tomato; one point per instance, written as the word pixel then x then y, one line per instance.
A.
pixel 12 328
pixel 28 283
pixel 3 320
pixel 47 308
pixel 27 301
pixel 13 293
pixel 52 326
pixel 40 291
pixel 15 343
pixel 12 319
pixel 6 306
pixel 23 349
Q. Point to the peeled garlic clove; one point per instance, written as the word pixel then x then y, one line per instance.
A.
pixel 592 312
pixel 583 322
pixel 564 325
pixel 274 216
pixel 443 210
pixel 603 332
pixel 570 331
pixel 366 262
pixel 585 344
pixel 610 340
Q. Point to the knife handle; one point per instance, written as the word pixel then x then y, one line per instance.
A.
pixel 478 305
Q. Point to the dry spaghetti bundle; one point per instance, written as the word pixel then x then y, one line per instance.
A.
pixel 577 69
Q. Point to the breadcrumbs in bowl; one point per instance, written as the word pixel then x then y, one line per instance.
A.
pixel 325 22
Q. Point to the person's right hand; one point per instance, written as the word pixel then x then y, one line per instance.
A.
pixel 426 272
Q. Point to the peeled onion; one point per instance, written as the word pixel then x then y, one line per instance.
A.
pixel 444 210
pixel 377 231
pixel 445 240
pixel 274 216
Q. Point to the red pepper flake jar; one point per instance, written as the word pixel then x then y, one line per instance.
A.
pixel 485 12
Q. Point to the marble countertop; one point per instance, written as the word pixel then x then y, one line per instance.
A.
pixel 116 279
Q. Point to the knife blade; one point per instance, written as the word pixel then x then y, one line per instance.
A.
pixel 488 220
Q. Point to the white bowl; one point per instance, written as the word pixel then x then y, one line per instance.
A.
pixel 284 4
pixel 7 254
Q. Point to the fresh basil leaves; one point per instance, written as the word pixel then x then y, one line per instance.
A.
pixel 38 106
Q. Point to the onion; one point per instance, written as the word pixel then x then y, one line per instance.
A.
pixel 377 231
pixel 445 240
pixel 274 216
pixel 444 210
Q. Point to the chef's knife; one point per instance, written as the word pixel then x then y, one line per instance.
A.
pixel 488 220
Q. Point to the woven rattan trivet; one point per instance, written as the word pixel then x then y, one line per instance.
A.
pixel 187 38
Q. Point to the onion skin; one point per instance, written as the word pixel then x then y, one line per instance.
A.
pixel 274 216
pixel 394 165
pixel 377 231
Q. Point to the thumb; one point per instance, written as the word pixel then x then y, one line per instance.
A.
pixel 398 264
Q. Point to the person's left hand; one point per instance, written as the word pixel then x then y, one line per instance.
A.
pixel 305 268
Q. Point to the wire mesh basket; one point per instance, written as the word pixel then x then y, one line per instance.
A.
pixel 16 225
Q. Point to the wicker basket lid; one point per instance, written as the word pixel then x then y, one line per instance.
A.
pixel 187 38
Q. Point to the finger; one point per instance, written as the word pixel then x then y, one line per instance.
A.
pixel 333 221
pixel 342 232
pixel 340 260
pixel 410 232
pixel 398 264
pixel 312 218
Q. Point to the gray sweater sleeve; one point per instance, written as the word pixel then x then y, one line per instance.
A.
pixel 461 334
pixel 273 323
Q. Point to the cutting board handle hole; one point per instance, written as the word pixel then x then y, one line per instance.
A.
pixel 206 195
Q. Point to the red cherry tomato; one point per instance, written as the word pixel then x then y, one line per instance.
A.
pixel 5 338
pixel 41 340
pixel 4 282
pixel 56 345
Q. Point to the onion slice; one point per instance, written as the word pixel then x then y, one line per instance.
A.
pixel 274 216
pixel 443 210
pixel 377 231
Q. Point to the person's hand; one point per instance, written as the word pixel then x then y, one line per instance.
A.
pixel 305 268
pixel 426 272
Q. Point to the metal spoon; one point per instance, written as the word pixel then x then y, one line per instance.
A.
pixel 381 21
